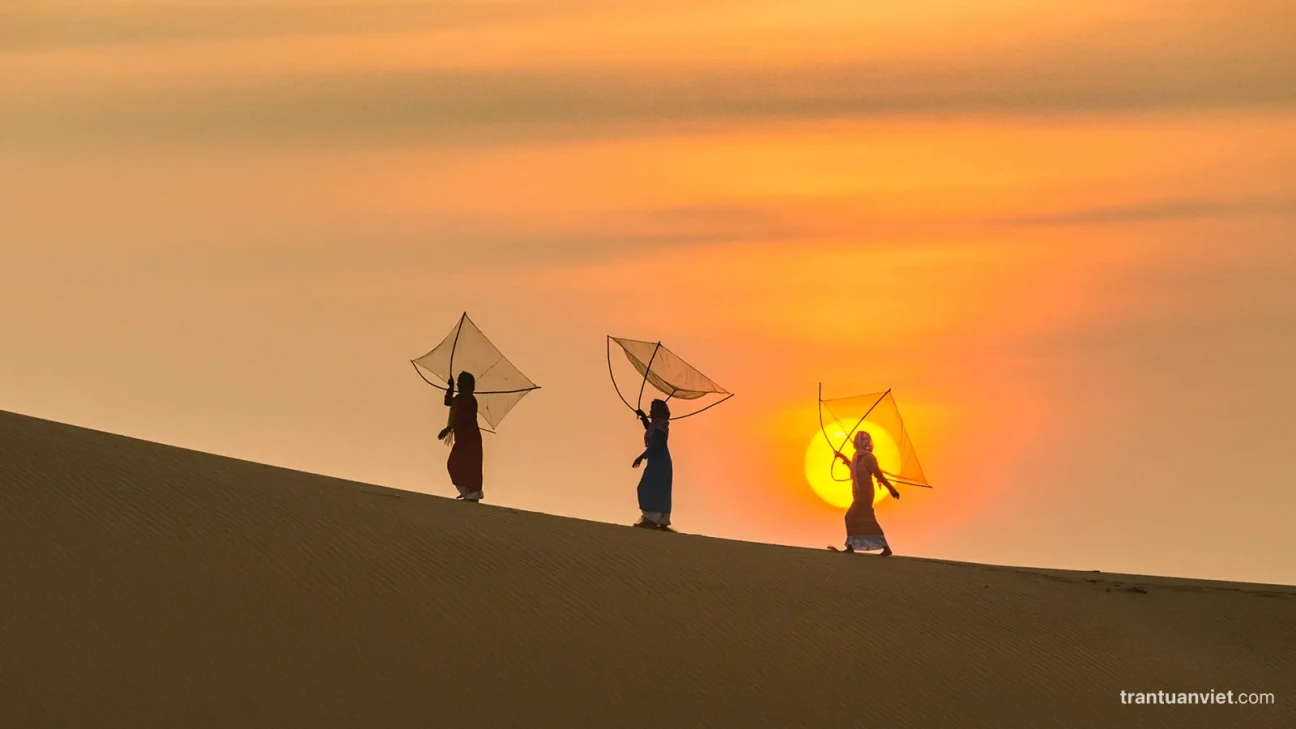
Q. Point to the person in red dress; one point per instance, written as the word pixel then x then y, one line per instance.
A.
pixel 464 436
pixel 863 532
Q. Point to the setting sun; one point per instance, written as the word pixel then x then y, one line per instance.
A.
pixel 823 476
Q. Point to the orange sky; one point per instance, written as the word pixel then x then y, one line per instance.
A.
pixel 1063 235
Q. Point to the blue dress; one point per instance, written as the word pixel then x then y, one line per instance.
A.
pixel 658 475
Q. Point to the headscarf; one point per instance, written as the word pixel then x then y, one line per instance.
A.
pixel 863 441
pixel 659 420
pixel 863 449
pixel 467 383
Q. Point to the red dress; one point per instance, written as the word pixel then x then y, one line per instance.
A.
pixel 465 462
pixel 862 528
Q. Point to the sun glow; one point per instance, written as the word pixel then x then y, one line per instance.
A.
pixel 823 476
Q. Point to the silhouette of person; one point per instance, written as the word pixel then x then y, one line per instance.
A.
pixel 863 532
pixel 464 436
pixel 658 476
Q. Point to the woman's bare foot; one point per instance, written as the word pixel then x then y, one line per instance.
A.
pixel 886 552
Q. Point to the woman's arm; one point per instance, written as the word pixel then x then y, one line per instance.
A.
pixel 449 396
pixel 656 444
pixel 643 418
pixel 449 421
pixel 881 477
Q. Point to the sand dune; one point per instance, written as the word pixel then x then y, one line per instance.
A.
pixel 148 586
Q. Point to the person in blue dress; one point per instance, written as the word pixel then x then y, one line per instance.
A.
pixel 658 476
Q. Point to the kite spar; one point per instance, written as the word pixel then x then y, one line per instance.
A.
pixel 882 414
pixel 671 376
pixel 500 384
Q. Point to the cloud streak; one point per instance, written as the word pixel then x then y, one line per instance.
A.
pixel 43 25
pixel 503 87
pixel 447 106
pixel 1163 211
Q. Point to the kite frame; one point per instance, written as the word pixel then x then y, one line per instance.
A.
pixel 455 346
pixel 644 384
pixel 824 429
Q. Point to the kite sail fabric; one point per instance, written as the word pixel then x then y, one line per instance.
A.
pixel 500 384
pixel 666 372
pixel 878 414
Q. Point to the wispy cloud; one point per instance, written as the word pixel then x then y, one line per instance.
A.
pixel 438 106
pixel 515 90
pixel 1162 211
pixel 45 25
